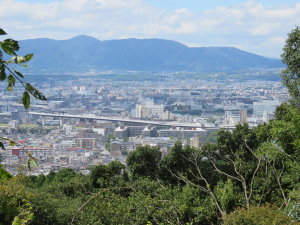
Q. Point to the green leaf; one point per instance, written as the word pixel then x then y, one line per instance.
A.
pixel 12 142
pixel 2 32
pixel 33 163
pixel 28 57
pixel 28 164
pixel 21 59
pixel 26 100
pixel 2 146
pixel 9 46
pixel 25 65
pixel 11 82
pixel 35 92
pixel 18 73
pixel 2 72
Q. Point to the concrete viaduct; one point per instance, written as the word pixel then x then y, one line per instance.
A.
pixel 126 120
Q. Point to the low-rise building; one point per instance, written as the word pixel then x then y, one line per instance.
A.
pixel 180 133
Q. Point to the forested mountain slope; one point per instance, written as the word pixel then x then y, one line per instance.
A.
pixel 83 53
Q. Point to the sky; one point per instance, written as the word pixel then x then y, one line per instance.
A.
pixel 260 27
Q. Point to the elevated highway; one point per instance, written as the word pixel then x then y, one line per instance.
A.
pixel 92 117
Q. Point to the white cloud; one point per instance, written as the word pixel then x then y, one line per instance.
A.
pixel 249 26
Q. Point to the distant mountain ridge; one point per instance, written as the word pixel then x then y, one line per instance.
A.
pixel 82 53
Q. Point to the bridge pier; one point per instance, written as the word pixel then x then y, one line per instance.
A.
pixel 82 123
pixel 90 122
pixel 61 121
pixel 32 118
pixel 43 120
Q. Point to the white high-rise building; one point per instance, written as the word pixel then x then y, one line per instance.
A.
pixel 149 108
pixel 267 116
pixel 156 109
pixel 166 115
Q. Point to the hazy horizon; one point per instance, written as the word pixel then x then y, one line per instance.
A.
pixel 259 27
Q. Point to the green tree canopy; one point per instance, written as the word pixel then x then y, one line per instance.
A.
pixel 291 57
pixel 144 161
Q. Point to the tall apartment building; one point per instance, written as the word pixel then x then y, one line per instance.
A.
pixel 88 143
pixel 243 116
pixel 194 142
pixel 40 153
pixel 87 138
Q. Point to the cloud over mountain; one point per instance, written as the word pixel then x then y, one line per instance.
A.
pixel 249 26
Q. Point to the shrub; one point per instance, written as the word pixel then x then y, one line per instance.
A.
pixel 266 215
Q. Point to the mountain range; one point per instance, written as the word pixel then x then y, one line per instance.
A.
pixel 83 53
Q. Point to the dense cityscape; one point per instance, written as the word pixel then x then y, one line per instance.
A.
pixel 88 121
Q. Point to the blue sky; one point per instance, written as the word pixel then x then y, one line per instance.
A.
pixel 260 27
pixel 201 5
pixel 195 5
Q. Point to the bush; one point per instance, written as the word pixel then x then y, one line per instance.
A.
pixel 266 215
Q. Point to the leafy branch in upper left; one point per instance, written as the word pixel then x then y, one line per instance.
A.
pixel 11 75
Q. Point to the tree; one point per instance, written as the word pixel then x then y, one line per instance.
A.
pixel 3 173
pixel 144 161
pixel 102 173
pixel 212 137
pixel 64 175
pixel 14 197
pixel 126 139
pixel 109 138
pixel 186 166
pixel 244 168
pixel 39 181
pixel 291 57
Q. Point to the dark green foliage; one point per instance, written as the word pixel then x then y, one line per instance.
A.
pixel 144 161
pixel 219 112
pixel 102 173
pixel 4 174
pixel 290 76
pixel 212 137
pixel 39 181
pixel 64 175
pixel 50 177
